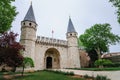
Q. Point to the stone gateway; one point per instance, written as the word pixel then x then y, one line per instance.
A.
pixel 49 52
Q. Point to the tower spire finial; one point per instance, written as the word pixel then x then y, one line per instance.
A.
pixel 69 16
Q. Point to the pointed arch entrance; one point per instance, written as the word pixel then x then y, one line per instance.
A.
pixel 52 59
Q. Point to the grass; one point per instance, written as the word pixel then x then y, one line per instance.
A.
pixel 41 75
pixel 98 69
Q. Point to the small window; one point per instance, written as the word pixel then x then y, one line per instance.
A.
pixel 70 34
pixel 24 23
pixel 30 24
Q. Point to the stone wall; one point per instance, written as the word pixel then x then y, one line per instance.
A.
pixel 84 58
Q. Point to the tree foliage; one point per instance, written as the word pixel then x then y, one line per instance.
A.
pixel 116 3
pixel 7 14
pixel 99 37
pixel 10 50
pixel 27 62
pixel 93 56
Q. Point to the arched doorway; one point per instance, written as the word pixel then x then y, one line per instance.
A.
pixel 49 62
pixel 52 59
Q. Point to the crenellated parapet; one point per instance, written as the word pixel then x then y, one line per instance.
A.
pixel 51 41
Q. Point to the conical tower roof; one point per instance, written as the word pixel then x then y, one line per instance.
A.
pixel 30 15
pixel 70 27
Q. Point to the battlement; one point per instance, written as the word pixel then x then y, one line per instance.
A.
pixel 51 41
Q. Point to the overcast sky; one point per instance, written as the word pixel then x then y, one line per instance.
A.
pixel 54 15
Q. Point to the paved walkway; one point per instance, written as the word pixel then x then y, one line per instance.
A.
pixel 113 75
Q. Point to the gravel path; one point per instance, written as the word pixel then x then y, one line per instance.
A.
pixel 113 75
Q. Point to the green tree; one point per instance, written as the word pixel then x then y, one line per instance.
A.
pixel 116 3
pixel 7 14
pixel 10 51
pixel 27 62
pixel 99 37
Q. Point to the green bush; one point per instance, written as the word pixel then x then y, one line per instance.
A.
pixel 98 69
pixel 116 64
pixel 98 62
pixel 86 76
pixel 112 65
pixel 102 62
pixel 98 77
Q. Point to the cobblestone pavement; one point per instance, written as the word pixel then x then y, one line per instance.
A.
pixel 113 75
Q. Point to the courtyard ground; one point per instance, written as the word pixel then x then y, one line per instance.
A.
pixel 113 75
pixel 41 75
